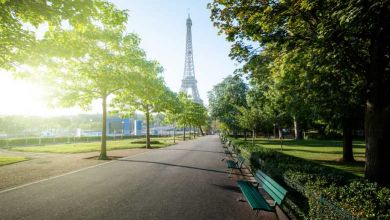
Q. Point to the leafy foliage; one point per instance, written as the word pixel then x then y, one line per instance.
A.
pixel 224 99
pixel 319 60
pixel 17 41
pixel 329 193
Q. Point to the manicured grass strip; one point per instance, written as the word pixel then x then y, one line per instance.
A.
pixel 325 152
pixel 95 146
pixel 4 160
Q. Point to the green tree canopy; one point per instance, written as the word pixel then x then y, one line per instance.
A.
pixel 223 99
pixel 148 94
pixel 17 40
pixel 111 63
pixel 347 43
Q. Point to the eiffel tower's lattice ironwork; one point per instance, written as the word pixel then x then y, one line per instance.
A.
pixel 189 81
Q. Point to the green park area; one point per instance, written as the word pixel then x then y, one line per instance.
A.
pixel 95 146
pixel 320 183
pixel 313 74
pixel 324 152
pixel 5 160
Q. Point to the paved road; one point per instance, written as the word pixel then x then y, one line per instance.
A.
pixel 185 181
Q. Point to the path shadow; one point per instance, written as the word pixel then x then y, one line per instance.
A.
pixel 308 143
pixel 312 151
pixel 228 188
pixel 351 167
pixel 207 151
pixel 174 165
pixel 317 151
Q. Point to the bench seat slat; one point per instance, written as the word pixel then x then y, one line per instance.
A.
pixel 253 196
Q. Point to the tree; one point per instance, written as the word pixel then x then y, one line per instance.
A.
pixel 17 41
pixel 183 118
pixel 149 95
pixel 248 119
pixel 350 36
pixel 110 64
pixel 173 111
pixel 198 116
pixel 223 99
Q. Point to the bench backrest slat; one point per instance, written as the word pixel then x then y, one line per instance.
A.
pixel 276 191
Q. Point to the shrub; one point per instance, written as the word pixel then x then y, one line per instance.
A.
pixel 320 192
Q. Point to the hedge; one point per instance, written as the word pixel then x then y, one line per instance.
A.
pixel 317 191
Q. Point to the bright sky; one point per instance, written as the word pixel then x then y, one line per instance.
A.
pixel 161 26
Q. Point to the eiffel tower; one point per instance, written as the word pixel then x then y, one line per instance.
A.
pixel 189 81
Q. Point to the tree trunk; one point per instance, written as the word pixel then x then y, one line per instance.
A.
pixel 347 141
pixel 377 129
pixel 245 136
pixel 174 134
pixel 253 137
pixel 377 118
pixel 103 145
pixel 235 133
pixel 147 114
pixel 280 133
pixel 274 131
pixel 201 131
pixel 184 136
pixel 297 132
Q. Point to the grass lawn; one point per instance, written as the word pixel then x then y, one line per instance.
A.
pixel 95 146
pixel 325 152
pixel 4 160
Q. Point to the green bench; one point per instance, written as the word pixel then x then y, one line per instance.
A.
pixel 255 199
pixel 232 164
pixel 228 150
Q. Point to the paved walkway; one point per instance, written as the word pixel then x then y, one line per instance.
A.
pixel 46 165
pixel 184 181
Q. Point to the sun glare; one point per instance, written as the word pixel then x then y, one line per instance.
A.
pixel 19 97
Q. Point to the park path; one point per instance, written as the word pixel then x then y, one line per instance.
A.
pixel 184 181
pixel 46 165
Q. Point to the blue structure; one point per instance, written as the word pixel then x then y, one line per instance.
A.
pixel 116 125
pixel 137 127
